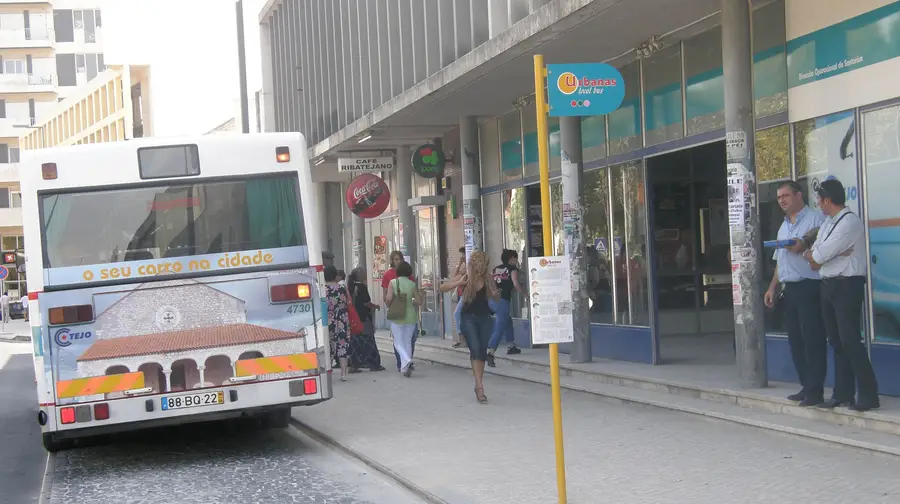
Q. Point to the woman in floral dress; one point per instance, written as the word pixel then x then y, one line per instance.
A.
pixel 338 318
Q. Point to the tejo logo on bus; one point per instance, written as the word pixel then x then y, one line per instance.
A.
pixel 64 337
pixel 168 266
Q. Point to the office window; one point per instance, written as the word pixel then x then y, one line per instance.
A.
pixel 2 109
pixel 97 19
pixel 769 60
pixel 80 64
pixel 65 69
pixel 13 154
pixel 662 96
pixel 625 122
pixel 79 19
pixel 511 146
pixel 4 155
pixel 15 199
pixel 4 198
pixel 101 65
pixel 14 66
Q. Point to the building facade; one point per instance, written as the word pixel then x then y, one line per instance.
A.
pixel 47 49
pixel 386 75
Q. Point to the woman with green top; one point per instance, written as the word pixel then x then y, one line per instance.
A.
pixel 403 326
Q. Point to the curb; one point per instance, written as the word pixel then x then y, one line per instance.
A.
pixel 624 398
pixel 18 338
pixel 375 465
pixel 47 482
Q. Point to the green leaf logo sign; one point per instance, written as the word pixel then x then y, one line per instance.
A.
pixel 428 161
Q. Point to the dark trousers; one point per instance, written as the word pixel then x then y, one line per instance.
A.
pixel 414 338
pixel 842 303
pixel 802 309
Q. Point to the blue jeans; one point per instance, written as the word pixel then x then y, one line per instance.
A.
pixel 457 316
pixel 503 327
pixel 477 331
pixel 414 338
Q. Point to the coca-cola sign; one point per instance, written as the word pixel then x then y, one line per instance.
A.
pixel 368 196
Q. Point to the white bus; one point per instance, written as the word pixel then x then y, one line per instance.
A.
pixel 171 281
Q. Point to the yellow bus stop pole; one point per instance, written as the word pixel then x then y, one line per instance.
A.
pixel 540 77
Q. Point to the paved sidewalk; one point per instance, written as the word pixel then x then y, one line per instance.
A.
pixel 430 430
pixel 15 330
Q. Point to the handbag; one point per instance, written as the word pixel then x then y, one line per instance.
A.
pixel 397 309
pixel 356 325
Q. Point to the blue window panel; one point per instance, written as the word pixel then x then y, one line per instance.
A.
pixel 511 155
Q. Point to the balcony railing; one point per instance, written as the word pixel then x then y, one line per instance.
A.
pixel 26 37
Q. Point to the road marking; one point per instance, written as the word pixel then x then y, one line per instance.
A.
pixel 47 480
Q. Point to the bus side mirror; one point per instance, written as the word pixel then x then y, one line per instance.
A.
pixel 20 260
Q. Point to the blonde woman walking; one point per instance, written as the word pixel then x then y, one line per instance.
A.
pixel 478 288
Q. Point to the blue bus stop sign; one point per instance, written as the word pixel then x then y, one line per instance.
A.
pixel 4 272
pixel 584 89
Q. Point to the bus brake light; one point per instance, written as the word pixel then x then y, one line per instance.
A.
pixel 101 411
pixel 48 171
pixel 67 415
pixel 290 292
pixel 65 315
pixel 282 154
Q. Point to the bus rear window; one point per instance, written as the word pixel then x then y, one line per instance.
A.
pixel 171 220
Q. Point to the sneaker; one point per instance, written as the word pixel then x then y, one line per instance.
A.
pixel 408 372
pixel 513 350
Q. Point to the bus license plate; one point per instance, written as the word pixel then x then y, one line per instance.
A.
pixel 192 400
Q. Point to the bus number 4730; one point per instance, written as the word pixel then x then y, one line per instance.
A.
pixel 300 308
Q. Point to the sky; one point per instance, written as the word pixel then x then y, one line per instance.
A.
pixel 191 47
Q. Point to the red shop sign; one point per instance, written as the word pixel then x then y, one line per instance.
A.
pixel 368 196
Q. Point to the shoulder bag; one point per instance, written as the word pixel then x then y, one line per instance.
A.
pixel 356 325
pixel 397 309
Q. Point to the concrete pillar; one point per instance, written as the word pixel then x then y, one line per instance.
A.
pixel 749 327
pixel 335 204
pixel 573 228
pixel 168 373
pixel 358 237
pixel 321 219
pixel 404 193
pixel 473 227
pixel 201 369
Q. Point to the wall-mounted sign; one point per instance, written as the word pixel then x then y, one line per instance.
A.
pixel 9 258
pixel 368 196
pixel 584 89
pixel 428 161
pixel 365 164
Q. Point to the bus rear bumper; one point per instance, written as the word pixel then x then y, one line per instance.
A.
pixel 133 413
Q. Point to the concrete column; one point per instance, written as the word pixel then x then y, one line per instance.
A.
pixel 201 369
pixel 404 193
pixel 746 255
pixel 335 204
pixel 358 237
pixel 473 227
pixel 321 224
pixel 168 373
pixel 573 228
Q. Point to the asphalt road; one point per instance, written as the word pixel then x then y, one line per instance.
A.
pixel 221 463
pixel 22 458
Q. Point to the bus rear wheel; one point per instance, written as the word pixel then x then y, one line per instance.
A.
pixel 277 419
pixel 53 445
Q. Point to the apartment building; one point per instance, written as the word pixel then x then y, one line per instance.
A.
pixel 47 50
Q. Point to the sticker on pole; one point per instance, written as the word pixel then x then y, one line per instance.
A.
pixel 550 300
pixel 4 272
pixel 584 89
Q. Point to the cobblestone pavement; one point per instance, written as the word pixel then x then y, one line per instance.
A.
pixel 430 430
pixel 219 463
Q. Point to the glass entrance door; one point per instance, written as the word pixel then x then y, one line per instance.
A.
pixel 881 141
pixel 428 270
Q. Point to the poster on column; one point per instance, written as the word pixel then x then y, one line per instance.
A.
pixel 379 257
pixel 550 300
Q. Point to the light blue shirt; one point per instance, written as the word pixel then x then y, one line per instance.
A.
pixel 793 267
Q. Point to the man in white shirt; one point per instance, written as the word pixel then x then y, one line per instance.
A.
pixel 839 254
pixel 4 306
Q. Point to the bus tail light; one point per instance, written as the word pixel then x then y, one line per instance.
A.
pixel 310 387
pixel 101 411
pixel 65 315
pixel 48 171
pixel 67 415
pixel 282 154
pixel 290 292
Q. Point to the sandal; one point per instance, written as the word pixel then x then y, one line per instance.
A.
pixel 458 344
pixel 480 396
